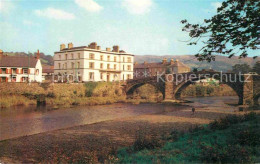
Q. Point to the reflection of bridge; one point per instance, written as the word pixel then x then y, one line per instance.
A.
pixel 247 87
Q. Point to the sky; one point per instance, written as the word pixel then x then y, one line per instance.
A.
pixel 140 27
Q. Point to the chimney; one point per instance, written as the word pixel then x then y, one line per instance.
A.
pixel 1 53
pixel 164 61
pixel 172 61
pixel 108 49
pixel 70 45
pixel 116 49
pixel 62 46
pixel 38 54
pixel 93 45
pixel 145 62
pixel 98 48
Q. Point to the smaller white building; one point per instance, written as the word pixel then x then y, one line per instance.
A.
pixel 20 68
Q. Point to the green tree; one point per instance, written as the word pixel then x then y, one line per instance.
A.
pixel 256 68
pixel 241 68
pixel 233 30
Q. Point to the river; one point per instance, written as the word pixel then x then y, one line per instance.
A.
pixel 21 121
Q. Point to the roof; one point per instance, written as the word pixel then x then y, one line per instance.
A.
pixel 159 65
pixel 18 61
pixel 48 69
pixel 86 48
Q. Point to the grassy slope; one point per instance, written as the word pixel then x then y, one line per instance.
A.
pixel 239 142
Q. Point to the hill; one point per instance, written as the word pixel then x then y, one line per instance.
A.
pixel 222 63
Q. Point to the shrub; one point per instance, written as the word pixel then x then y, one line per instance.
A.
pixel 250 116
pixel 90 86
pixel 146 142
pixel 50 95
pixel 224 154
pixel 225 122
pixel 249 137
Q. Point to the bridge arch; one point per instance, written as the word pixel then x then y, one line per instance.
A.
pixel 133 84
pixel 237 87
pixel 130 90
pixel 256 99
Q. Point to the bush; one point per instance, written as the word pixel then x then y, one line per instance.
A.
pixel 146 142
pixel 225 122
pixel 90 86
pixel 249 137
pixel 226 154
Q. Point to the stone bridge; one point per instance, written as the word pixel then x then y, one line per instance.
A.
pixel 246 86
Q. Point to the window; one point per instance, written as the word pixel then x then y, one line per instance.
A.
pixel 123 67
pixel 59 65
pixel 59 57
pixel 129 59
pixel 92 56
pixel 128 76
pixel 115 59
pixel 78 64
pixel 101 57
pixel 72 65
pixel 108 66
pixel 91 75
pixel 101 65
pixel 79 55
pixel 123 59
pixel 66 56
pixel 129 67
pixel 4 70
pixel 37 71
pixel 101 76
pixel 108 58
pixel 65 65
pixel 72 56
pixel 25 71
pixel 114 66
pixel 91 65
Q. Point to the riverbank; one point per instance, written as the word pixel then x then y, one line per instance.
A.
pixel 99 141
pixel 60 94
pixel 232 139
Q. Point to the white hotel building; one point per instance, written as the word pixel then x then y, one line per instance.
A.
pixel 90 63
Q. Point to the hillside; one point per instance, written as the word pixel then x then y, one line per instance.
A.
pixel 222 63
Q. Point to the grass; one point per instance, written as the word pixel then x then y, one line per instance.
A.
pixel 61 95
pixel 233 139
pixel 8 101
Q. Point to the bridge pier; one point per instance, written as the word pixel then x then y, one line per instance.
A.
pixel 248 90
pixel 168 91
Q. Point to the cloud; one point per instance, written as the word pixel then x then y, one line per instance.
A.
pixel 6 6
pixel 89 5
pixel 216 5
pixel 53 13
pixel 137 6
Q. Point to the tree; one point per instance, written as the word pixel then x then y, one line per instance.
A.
pixel 256 68
pixel 232 31
pixel 241 68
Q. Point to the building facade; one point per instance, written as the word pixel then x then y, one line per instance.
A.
pixel 90 63
pixel 20 68
pixel 153 69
